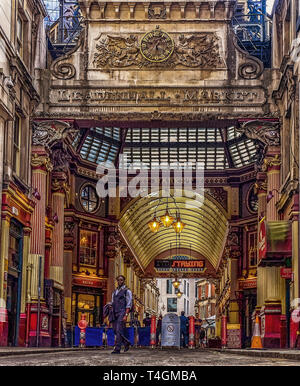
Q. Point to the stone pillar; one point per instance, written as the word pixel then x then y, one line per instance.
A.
pixel 272 167
pixel 274 285
pixel 41 165
pixel 59 190
pixel 261 192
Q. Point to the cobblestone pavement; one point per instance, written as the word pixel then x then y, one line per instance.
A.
pixel 141 357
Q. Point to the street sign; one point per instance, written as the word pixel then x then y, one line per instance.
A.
pixel 170 331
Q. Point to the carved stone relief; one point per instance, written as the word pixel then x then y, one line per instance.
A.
pixel 198 50
pixel 47 133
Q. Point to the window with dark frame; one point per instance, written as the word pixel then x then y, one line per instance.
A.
pixel 20 36
pixel 89 198
pixel 172 305
pixel 252 249
pixel 88 247
pixel 16 145
pixel 169 286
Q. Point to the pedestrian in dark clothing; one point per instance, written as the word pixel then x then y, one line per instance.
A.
pixel 147 321
pixel 202 337
pixel 121 305
pixel 158 329
pixel 184 328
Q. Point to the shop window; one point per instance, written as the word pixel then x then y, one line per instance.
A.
pixel 89 198
pixel 172 305
pixel 88 248
pixel 17 145
pixel 88 304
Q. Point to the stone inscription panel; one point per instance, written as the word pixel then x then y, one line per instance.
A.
pixel 202 96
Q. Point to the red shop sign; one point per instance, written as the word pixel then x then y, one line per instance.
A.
pixel 86 282
pixel 286 273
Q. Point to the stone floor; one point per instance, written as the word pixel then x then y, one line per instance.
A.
pixel 139 357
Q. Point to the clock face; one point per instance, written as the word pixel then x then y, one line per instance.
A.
pixel 157 46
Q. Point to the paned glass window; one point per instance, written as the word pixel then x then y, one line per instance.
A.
pixel 88 247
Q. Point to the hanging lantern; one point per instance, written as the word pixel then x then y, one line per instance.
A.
pixel 167 219
pixel 154 225
pixel 178 225
pixel 179 294
pixel 176 283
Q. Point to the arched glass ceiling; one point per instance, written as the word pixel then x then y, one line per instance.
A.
pixel 204 232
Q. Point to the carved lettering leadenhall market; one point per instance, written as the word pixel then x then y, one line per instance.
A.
pixel 159 82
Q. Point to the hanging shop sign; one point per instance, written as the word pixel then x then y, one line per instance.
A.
pixel 274 240
pixel 179 263
pixel 286 273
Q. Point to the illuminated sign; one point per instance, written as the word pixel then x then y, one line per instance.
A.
pixel 179 264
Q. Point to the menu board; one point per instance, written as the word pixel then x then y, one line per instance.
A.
pixel 234 338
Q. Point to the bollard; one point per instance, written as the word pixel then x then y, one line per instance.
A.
pixel 82 324
pixel 224 331
pixel 192 332
pixel 153 331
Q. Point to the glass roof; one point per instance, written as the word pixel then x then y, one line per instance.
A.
pixel 98 144
pixel 215 148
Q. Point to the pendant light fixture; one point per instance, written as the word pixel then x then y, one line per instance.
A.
pixel 166 220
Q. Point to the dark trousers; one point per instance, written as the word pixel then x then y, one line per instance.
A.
pixel 119 330
pixel 184 337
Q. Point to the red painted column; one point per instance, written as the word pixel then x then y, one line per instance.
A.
pixel 224 330
pixel 153 331
pixel 191 332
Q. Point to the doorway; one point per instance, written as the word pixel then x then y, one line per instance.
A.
pixel 14 281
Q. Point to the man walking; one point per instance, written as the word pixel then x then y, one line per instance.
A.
pixel 121 305
pixel 184 326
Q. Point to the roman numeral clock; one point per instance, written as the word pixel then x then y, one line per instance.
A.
pixel 157 46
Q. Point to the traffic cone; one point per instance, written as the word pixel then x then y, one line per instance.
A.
pixel 256 338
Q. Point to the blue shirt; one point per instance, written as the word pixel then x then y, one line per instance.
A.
pixel 128 295
pixel 183 322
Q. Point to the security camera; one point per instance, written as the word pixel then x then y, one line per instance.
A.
pixel 9 83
